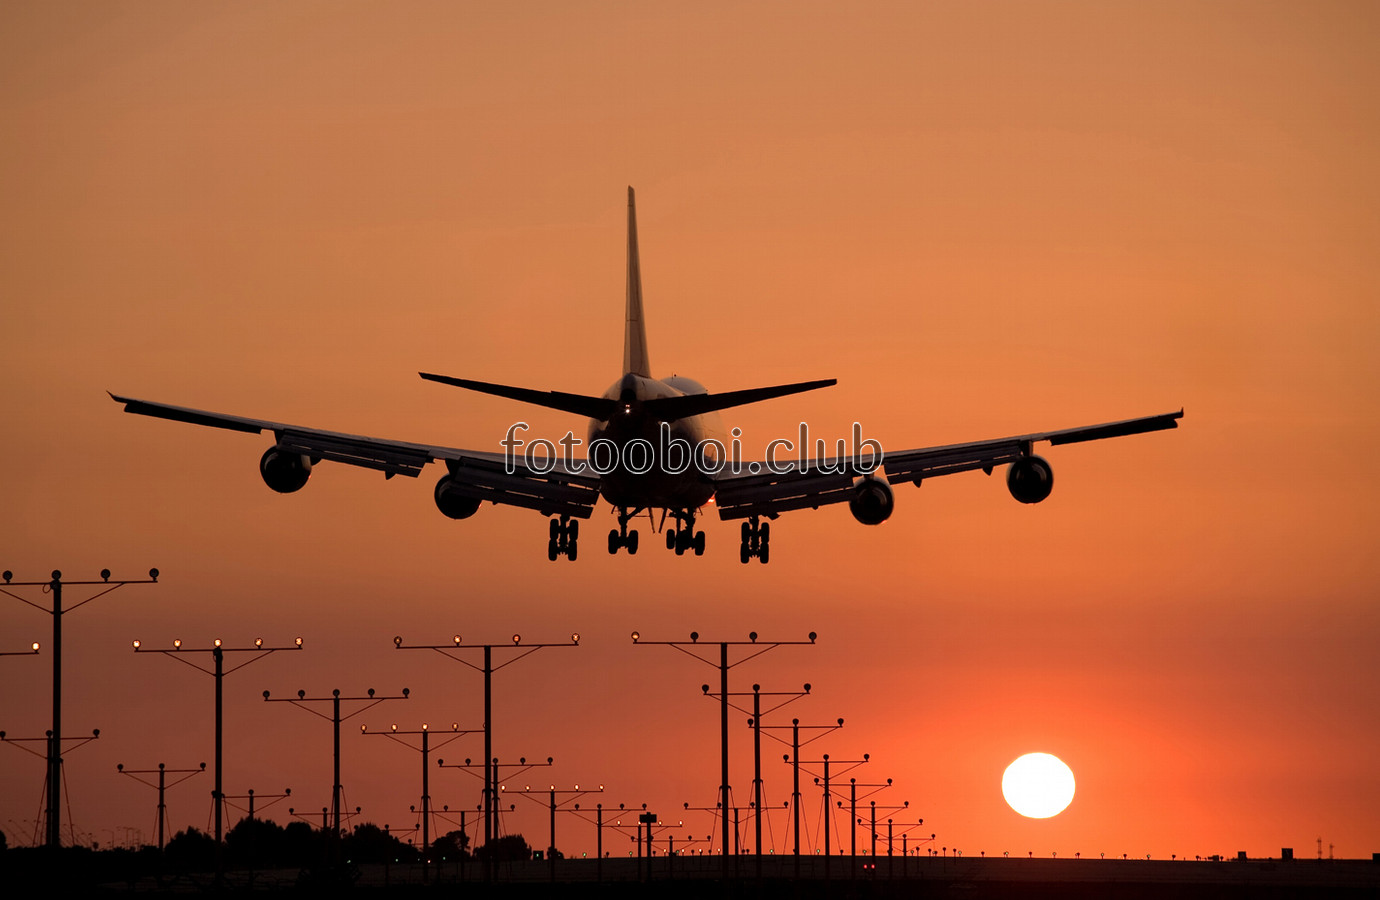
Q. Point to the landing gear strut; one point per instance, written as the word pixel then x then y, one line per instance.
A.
pixel 621 536
pixel 565 536
pixel 684 536
pixel 756 541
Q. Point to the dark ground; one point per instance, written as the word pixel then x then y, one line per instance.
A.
pixel 35 872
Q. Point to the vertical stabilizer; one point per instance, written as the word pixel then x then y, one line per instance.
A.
pixel 635 359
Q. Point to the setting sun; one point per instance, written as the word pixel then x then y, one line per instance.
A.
pixel 1038 785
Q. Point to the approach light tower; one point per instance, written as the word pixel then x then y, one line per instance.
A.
pixel 53 812
pixel 488 669
pixel 723 665
pixel 217 671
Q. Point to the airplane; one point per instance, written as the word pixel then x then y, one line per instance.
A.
pixel 645 428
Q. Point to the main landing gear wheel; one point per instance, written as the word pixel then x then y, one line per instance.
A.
pixel 756 541
pixel 621 536
pixel 564 540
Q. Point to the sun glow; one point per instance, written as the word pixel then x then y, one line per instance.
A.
pixel 1038 785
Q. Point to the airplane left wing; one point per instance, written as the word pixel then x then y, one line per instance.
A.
pixel 796 485
pixel 474 475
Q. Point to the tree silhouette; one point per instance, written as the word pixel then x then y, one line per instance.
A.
pixel 370 843
pixel 451 845
pixel 509 848
pixel 191 849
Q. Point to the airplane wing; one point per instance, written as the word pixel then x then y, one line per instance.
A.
pixel 473 474
pixel 796 486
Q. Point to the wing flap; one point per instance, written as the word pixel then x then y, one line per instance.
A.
pixel 391 459
pixel 917 466
pixel 778 497
pixel 552 493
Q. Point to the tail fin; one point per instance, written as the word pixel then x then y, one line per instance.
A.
pixel 635 359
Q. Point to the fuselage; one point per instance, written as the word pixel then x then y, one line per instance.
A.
pixel 660 464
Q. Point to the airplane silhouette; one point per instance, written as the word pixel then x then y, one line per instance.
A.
pixel 653 445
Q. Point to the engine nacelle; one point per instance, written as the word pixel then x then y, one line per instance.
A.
pixel 1030 479
pixel 451 504
pixel 872 501
pixel 283 471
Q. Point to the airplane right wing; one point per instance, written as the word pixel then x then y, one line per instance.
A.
pixel 793 485
pixel 475 477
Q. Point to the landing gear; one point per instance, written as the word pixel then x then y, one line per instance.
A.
pixel 756 541
pixel 564 540
pixel 621 536
pixel 684 537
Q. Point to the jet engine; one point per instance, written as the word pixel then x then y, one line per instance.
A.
pixel 871 503
pixel 1030 479
pixel 451 503
pixel 283 471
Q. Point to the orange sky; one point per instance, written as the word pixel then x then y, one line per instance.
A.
pixel 983 220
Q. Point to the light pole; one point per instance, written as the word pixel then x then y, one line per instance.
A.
pixel 494 767
pixel 54 586
pixel 488 668
pixel 905 804
pixel 335 718
pixel 755 722
pixel 48 750
pixel 794 759
pixel 723 665
pixel 905 853
pixel 251 797
pixel 454 734
pixel 850 764
pixel 229 800
pixel 568 796
pixel 853 820
pixel 218 672
pixel 162 786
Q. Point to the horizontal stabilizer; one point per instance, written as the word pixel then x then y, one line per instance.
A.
pixel 669 409
pixel 600 408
